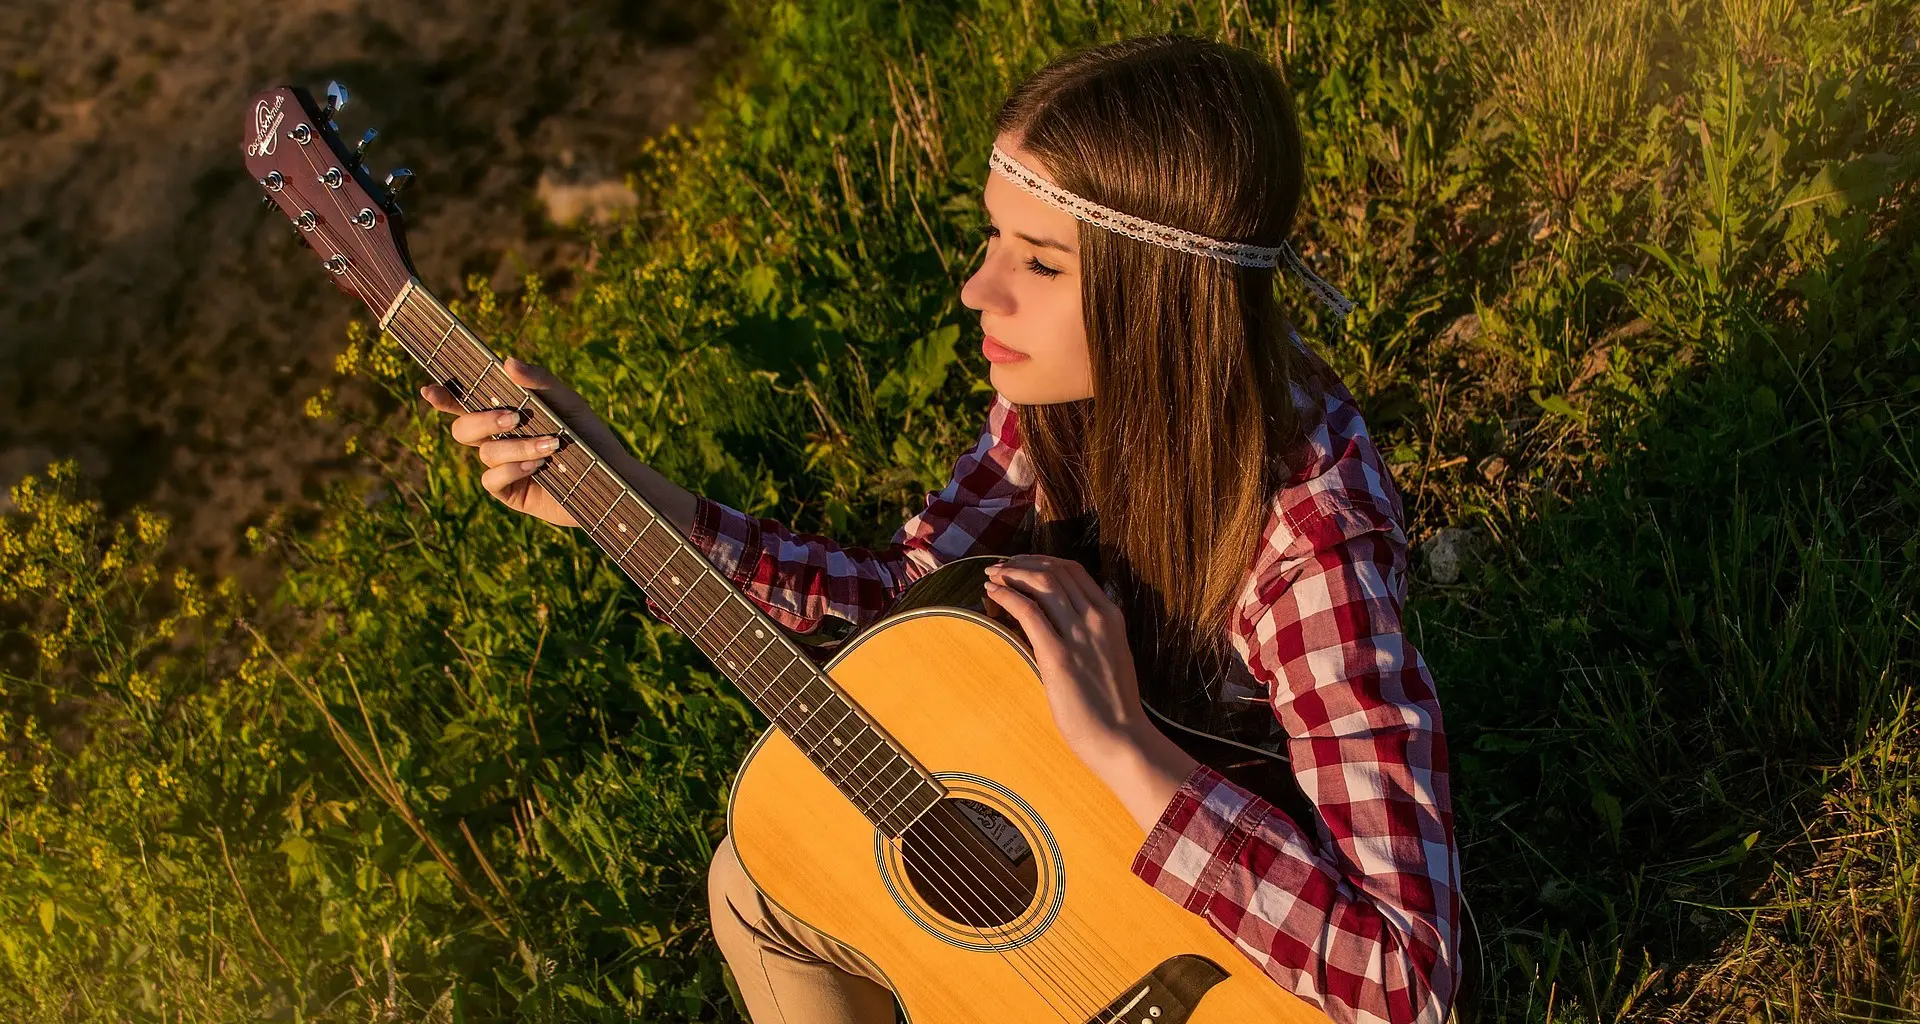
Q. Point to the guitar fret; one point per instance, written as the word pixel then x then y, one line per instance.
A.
pixel 872 780
pixel 431 356
pixel 890 785
pixel 484 370
pixel 578 478
pixel 768 646
pixel 648 585
pixel 876 803
pixel 863 760
pixel 810 717
pixel 843 747
pixel 684 594
pixel 902 830
pixel 796 694
pixel 912 821
pixel 608 512
pixel 737 634
pixel 710 615
pixel 622 557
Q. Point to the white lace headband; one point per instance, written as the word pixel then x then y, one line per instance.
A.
pixel 1160 234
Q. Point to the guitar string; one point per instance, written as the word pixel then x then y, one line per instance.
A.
pixel 600 489
pixel 392 267
pixel 411 321
pixel 605 494
pixel 370 290
pixel 410 318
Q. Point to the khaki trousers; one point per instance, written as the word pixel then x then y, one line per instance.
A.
pixel 788 972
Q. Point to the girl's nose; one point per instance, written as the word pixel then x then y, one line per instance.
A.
pixel 986 291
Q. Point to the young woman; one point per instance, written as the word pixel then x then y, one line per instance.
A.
pixel 1202 521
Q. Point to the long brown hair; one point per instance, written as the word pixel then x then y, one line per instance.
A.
pixel 1164 478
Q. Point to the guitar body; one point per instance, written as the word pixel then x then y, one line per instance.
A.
pixel 961 693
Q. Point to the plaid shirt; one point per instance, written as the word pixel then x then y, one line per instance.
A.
pixel 1356 911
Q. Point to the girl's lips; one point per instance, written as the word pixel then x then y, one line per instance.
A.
pixel 998 353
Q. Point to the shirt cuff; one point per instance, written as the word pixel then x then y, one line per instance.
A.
pixel 1197 838
pixel 729 538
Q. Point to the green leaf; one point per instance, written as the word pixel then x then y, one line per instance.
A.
pixel 1838 186
pixel 583 996
pixel 46 916
pixel 1607 806
pixel 758 283
pixel 920 374
pixel 1557 404
pixel 560 849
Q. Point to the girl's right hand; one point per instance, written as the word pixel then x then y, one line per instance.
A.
pixel 511 461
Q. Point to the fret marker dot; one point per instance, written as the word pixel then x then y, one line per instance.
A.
pixel 803 707
pixel 622 527
pixel 757 634
pixel 730 663
pixel 836 742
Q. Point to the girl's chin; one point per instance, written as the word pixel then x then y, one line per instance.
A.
pixel 1021 384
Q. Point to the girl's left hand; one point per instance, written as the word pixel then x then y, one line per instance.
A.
pixel 1080 646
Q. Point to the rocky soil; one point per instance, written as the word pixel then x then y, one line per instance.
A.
pixel 159 327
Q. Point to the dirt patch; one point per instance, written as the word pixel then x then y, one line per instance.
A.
pixel 158 326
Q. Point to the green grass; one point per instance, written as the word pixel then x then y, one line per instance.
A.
pixel 1639 286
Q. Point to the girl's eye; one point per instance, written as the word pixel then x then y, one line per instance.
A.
pixel 1033 264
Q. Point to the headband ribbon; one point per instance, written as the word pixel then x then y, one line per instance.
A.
pixel 1161 234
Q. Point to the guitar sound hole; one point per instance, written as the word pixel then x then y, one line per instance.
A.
pixel 971 868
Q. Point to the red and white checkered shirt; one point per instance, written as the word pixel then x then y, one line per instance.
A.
pixel 1356 911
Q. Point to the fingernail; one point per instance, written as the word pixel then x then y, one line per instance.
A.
pixel 507 419
pixel 533 464
pixel 546 444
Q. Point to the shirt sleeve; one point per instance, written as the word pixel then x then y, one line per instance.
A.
pixel 799 578
pixel 1357 911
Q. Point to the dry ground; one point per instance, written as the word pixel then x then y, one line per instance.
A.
pixel 159 327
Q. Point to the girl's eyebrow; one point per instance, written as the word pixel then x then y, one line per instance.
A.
pixel 1044 243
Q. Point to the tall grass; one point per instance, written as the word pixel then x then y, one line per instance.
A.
pixel 1639 318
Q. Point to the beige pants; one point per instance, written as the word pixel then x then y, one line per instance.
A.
pixel 789 973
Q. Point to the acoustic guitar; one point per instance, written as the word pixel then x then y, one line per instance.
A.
pixel 912 797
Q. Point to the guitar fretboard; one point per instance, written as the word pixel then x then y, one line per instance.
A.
pixel 883 781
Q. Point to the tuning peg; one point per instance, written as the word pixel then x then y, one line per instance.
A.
pixel 360 149
pixel 336 98
pixel 398 181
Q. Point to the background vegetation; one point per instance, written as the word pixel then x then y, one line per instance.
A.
pixel 1638 335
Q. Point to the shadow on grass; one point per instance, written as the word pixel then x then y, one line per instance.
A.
pixel 1666 695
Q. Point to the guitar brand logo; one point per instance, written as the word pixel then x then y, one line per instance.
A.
pixel 266 126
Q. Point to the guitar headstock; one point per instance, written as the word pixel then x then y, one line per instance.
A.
pixel 293 150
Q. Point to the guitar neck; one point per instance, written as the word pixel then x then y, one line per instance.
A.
pixel 881 779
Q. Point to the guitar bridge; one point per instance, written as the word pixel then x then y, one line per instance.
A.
pixel 1167 995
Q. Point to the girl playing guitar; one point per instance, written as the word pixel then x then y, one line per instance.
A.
pixel 1199 524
